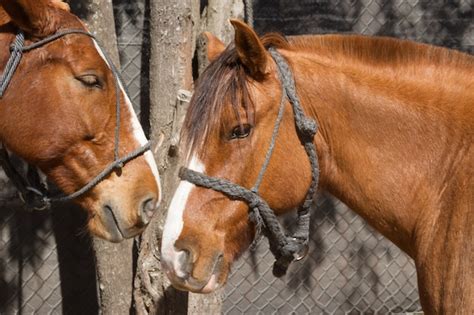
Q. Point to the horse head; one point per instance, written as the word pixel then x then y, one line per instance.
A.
pixel 60 113
pixel 226 134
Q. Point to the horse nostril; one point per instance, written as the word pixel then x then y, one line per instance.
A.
pixel 185 261
pixel 146 210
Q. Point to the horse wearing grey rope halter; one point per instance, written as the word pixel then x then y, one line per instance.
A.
pixel 30 189
pixel 285 248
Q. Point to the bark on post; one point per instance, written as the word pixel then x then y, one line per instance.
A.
pixel 114 262
pixel 216 15
pixel 215 19
pixel 172 48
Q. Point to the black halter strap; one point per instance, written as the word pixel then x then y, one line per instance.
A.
pixel 31 191
pixel 285 248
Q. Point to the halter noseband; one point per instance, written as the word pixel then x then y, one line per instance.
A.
pixel 31 191
pixel 285 248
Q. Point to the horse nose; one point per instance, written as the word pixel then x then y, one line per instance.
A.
pixel 147 209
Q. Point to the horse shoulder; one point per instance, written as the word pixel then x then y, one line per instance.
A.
pixel 444 246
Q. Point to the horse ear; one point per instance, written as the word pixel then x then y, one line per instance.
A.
pixel 4 17
pixel 250 49
pixel 36 17
pixel 214 46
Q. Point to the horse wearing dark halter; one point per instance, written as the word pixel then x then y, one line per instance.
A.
pixel 65 112
pixel 285 248
pixel 31 191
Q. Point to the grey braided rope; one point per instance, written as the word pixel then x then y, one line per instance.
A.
pixel 102 175
pixel 13 61
pixel 271 147
pixel 24 186
pixel 285 248
pixel 307 129
pixel 280 245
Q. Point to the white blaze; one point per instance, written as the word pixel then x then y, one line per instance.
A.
pixel 174 222
pixel 137 129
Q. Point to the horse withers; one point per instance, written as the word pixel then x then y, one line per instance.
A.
pixel 394 142
pixel 63 110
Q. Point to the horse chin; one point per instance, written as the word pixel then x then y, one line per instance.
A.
pixel 217 279
pixel 215 282
pixel 212 285
pixel 111 231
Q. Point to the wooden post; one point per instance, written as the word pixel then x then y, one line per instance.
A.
pixel 114 262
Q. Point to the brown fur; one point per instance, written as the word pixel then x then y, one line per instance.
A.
pixel 395 144
pixel 214 46
pixel 53 121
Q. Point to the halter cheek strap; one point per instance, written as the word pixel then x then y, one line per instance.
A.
pixel 285 248
pixel 32 192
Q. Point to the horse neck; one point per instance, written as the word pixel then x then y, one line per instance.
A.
pixel 374 141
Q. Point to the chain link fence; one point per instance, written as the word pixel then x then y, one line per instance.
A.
pixel 46 259
pixel 349 269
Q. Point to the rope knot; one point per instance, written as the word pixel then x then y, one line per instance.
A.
pixel 308 127
pixel 295 249
pixel 257 220
pixel 253 202
pixel 14 47
pixel 17 45
pixel 34 199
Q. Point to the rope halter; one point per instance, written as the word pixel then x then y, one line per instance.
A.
pixel 285 248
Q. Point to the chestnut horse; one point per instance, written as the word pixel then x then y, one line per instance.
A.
pixel 60 112
pixel 396 124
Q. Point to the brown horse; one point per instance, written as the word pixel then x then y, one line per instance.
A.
pixel 59 114
pixel 396 123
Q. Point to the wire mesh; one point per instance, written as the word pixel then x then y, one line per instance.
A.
pixel 131 24
pixel 349 269
pixel 46 262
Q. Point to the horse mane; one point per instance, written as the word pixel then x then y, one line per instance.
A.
pixel 224 85
pixel 381 51
pixel 225 81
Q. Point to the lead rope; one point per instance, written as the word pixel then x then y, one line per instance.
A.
pixel 285 248
pixel 28 193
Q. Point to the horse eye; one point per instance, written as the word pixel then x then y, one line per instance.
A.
pixel 90 80
pixel 241 131
pixel 88 137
